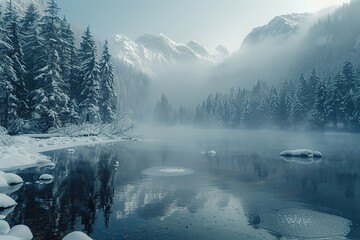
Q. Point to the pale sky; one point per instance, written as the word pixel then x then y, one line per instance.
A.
pixel 209 22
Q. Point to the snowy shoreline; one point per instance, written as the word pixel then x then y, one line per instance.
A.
pixel 27 151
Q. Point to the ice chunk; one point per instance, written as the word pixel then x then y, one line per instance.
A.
pixel 21 232
pixel 77 236
pixel 304 223
pixel 46 177
pixel 6 201
pixel 4 227
pixel 211 153
pixel 305 153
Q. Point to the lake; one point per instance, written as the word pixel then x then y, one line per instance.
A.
pixel 168 189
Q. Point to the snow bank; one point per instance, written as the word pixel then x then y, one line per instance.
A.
pixel 6 201
pixel 77 236
pixel 305 153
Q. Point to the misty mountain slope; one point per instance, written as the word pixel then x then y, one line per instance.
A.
pixel 333 40
pixel 292 44
pixel 151 53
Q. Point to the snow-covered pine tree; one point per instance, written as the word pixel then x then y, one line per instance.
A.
pixel 274 106
pixel 32 44
pixel 50 102
pixel 89 73
pixel 107 87
pixel 318 112
pixel 12 29
pixel 8 100
pixel 313 84
pixel 297 113
pixel 333 102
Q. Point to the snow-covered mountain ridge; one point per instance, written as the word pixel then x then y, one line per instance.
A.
pixel 280 28
pixel 153 51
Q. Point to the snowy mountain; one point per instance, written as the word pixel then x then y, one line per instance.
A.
pixel 21 5
pixel 150 52
pixel 279 28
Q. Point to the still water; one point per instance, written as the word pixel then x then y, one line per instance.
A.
pixel 169 190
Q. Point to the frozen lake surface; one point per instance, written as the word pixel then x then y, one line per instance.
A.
pixel 169 190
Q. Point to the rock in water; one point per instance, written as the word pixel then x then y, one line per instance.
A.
pixel 77 236
pixel 46 177
pixel 305 153
pixel 211 153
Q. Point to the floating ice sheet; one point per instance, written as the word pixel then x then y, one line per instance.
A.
pixel 166 171
pixel 303 223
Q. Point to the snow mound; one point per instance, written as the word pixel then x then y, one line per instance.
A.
pixel 21 232
pixel 211 153
pixel 4 227
pixel 46 177
pixel 165 171
pixel 303 223
pixel 6 201
pixel 77 236
pixel 10 178
pixel 304 153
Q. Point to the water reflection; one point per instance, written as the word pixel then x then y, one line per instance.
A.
pixel 101 190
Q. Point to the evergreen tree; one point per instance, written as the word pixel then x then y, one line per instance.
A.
pixel 107 87
pixel 50 102
pixel 163 112
pixel 318 112
pixel 313 84
pixel 333 102
pixel 90 86
pixel 11 24
pixel 32 47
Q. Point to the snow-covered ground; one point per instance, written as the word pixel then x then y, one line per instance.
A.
pixel 26 150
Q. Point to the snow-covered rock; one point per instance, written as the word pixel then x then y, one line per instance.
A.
pixel 4 227
pixel 6 201
pixel 6 211
pixel 21 232
pixel 305 153
pixel 77 236
pixel 46 177
pixel 211 153
pixel 10 178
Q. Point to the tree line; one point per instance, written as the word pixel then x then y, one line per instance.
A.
pixel 46 81
pixel 312 102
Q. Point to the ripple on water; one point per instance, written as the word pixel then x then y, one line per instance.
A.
pixel 166 171
pixel 304 223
